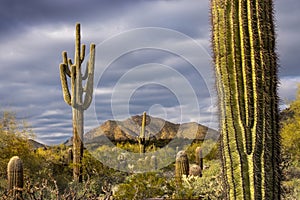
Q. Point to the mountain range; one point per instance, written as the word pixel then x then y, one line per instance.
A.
pixel 155 129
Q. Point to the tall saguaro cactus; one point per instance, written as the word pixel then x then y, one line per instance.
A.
pixel 246 78
pixel 75 97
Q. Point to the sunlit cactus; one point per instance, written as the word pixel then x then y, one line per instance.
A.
pixel 199 157
pixel 142 137
pixel 243 41
pixel 74 95
pixel 181 165
pixel 15 176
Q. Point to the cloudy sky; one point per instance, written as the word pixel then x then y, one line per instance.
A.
pixel 151 55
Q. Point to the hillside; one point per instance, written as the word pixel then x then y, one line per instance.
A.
pixel 156 129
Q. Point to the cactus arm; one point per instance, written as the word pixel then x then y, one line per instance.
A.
pixel 73 85
pixel 90 79
pixel 86 73
pixel 70 62
pixel 82 53
pixel 64 83
pixel 77 46
pixel 65 61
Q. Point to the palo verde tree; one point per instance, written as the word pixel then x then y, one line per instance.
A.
pixel 78 92
pixel 243 42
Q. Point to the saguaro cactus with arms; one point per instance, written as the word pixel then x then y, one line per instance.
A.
pixel 78 92
pixel 243 42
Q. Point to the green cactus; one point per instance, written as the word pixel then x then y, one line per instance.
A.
pixel 181 165
pixel 70 155
pixel 75 97
pixel 15 176
pixel 243 43
pixel 142 137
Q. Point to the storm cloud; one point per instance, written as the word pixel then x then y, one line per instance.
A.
pixel 163 78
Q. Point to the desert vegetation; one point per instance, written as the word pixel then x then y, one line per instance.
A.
pixel 47 171
pixel 48 174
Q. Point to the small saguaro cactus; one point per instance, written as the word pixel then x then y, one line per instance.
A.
pixel 142 137
pixel 199 157
pixel 15 176
pixel 70 155
pixel 75 97
pixel 181 165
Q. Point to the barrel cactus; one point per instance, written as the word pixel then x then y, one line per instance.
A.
pixel 181 165
pixel 15 176
pixel 195 170
pixel 243 42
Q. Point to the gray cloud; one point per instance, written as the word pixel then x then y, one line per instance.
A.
pixel 34 33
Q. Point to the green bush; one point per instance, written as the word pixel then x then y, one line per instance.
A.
pixel 143 185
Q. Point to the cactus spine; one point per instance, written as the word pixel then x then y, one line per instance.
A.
pixel 246 78
pixel 75 97
pixel 181 165
pixel 15 176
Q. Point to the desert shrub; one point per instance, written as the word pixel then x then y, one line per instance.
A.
pixel 290 134
pixel 143 185
pixel 14 136
pixel 291 189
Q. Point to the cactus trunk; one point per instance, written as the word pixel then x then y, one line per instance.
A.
pixel 77 143
pixel 246 77
pixel 75 97
pixel 15 176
